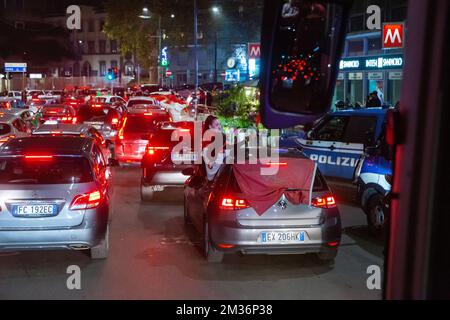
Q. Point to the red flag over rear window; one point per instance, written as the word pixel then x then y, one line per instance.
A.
pixel 294 179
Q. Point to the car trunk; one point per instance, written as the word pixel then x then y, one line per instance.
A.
pixel 60 196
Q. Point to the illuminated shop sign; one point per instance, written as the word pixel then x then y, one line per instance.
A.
pixel 370 63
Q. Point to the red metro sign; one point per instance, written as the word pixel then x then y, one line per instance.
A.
pixel 393 35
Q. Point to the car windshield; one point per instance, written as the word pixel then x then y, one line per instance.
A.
pixel 58 170
pixel 136 102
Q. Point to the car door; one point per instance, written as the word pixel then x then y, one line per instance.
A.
pixel 323 144
pixel 194 197
pixel 359 133
pixel 101 170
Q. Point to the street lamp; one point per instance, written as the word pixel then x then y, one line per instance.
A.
pixel 215 10
pixel 146 15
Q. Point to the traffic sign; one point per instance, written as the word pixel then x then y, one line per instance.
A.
pixel 15 67
pixel 168 73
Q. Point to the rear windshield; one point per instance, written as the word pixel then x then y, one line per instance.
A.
pixel 233 186
pixel 100 100
pixel 144 123
pixel 135 102
pixel 59 170
pixel 4 128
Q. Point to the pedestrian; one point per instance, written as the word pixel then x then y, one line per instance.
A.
pixel 374 101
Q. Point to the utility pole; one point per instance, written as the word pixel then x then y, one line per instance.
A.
pixel 196 55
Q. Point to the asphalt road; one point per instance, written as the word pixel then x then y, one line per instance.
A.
pixel 153 256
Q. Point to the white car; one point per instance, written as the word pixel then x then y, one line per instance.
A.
pixel 140 100
pixel 108 99
pixel 12 126
pixel 12 95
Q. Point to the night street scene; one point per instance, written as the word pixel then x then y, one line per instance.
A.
pixel 224 150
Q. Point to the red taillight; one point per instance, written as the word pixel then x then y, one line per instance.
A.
pixel 36 100
pixel 96 105
pixel 74 120
pixel 151 150
pixel 86 201
pixel 114 121
pixel 277 164
pixel 148 114
pixel 121 129
pixel 5 139
pixel 324 202
pixel 73 103
pixel 40 157
pixel 225 246
pixel 233 203
pixel 56 132
pixel 333 244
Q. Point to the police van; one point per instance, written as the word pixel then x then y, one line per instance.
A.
pixel 373 178
pixel 349 146
pixel 337 141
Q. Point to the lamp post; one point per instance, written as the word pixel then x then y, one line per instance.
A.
pixel 216 12
pixel 196 57
pixel 146 15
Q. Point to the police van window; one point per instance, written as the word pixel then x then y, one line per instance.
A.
pixel 332 130
pixel 361 130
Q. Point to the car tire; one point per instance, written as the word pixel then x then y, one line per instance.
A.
pixel 376 215
pixel 211 255
pixel 186 218
pixel 327 257
pixel 146 193
pixel 101 251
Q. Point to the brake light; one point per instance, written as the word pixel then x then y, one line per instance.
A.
pixel 114 121
pixel 51 112
pixel 56 132
pixel 74 120
pixel 148 114
pixel 324 202
pixel 73 103
pixel 5 139
pixel 8 105
pixel 40 157
pixel 151 150
pixel 36 100
pixel 278 164
pixel 86 201
pixel 96 105
pixel 121 129
pixel 233 203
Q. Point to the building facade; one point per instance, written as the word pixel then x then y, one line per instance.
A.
pixel 365 66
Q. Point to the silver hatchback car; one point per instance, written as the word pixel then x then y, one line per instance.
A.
pixel 54 194
pixel 221 212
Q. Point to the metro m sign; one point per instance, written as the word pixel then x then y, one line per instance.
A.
pixel 393 35
pixel 254 50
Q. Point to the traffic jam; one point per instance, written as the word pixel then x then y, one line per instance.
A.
pixel 158 190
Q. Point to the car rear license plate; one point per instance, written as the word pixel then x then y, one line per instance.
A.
pixel 184 157
pixel 51 122
pixel 282 237
pixel 35 210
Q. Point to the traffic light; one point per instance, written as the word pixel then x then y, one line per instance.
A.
pixel 115 72
pixel 110 75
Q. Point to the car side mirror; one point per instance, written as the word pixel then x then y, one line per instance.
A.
pixel 300 50
pixel 188 171
pixel 371 151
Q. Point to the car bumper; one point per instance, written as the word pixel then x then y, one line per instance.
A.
pixel 320 238
pixel 86 235
pixel 165 176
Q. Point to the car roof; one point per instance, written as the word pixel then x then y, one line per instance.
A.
pixel 8 118
pixel 363 112
pixel 62 128
pixel 62 145
pixel 13 111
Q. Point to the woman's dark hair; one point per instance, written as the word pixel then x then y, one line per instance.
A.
pixel 209 120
